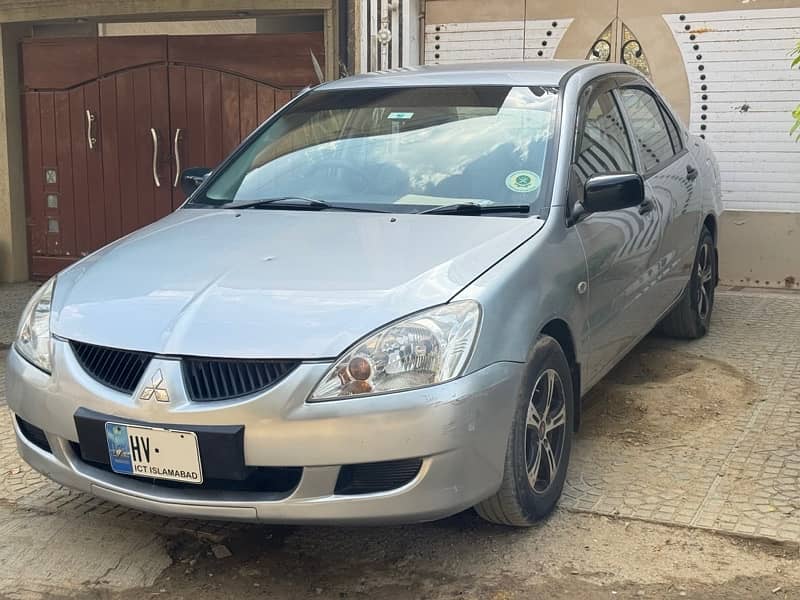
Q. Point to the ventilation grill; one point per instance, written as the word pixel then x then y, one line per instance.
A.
pixel 118 369
pixel 34 435
pixel 369 478
pixel 208 380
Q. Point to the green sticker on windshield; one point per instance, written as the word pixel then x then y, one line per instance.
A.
pixel 400 116
pixel 523 181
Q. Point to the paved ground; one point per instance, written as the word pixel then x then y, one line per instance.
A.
pixel 684 482
pixel 12 300
pixel 706 433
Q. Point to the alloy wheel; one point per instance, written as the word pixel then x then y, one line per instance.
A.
pixel 705 280
pixel 545 430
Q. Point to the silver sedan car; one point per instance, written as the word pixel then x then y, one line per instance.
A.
pixel 385 306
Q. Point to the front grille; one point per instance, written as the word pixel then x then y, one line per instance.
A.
pixel 369 478
pixel 118 369
pixel 206 379
pixel 211 379
pixel 34 435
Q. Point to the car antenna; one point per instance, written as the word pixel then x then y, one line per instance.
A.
pixel 317 68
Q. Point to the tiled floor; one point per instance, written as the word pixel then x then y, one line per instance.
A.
pixel 13 298
pixel 727 454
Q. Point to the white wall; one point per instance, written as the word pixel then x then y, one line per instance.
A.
pixel 742 95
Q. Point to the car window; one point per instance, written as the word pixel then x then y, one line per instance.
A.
pixel 649 128
pixel 603 144
pixel 674 132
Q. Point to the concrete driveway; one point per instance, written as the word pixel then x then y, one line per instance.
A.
pixel 684 482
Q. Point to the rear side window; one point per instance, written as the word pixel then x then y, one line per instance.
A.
pixel 674 132
pixel 649 129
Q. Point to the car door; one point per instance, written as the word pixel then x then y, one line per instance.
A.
pixel 669 185
pixel 619 245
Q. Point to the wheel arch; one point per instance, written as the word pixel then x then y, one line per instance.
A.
pixel 559 330
pixel 710 223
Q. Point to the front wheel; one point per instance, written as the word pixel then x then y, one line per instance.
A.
pixel 539 444
pixel 691 317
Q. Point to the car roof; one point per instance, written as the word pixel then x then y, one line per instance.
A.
pixel 539 72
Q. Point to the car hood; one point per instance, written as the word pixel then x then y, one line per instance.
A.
pixel 273 283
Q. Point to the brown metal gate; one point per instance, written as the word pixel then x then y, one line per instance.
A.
pixel 108 123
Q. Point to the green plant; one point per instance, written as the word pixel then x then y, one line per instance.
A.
pixel 795 130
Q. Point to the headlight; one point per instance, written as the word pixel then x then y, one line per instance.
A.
pixel 426 348
pixel 33 336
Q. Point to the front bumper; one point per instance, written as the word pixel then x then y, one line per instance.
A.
pixel 458 429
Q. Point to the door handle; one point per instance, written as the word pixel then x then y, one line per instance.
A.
pixel 646 207
pixel 156 180
pixel 177 152
pixel 691 172
pixel 91 140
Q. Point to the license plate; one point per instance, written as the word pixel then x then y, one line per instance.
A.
pixel 154 452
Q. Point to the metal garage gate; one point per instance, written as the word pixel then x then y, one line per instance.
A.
pixel 109 122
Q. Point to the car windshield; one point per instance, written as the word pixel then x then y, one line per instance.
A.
pixel 400 150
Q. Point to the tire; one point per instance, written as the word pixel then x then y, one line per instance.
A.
pixel 690 318
pixel 521 500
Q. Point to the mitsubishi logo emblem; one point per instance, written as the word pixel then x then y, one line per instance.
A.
pixel 156 390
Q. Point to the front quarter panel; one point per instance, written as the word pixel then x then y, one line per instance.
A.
pixel 530 287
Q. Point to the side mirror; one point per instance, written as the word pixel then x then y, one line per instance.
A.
pixel 614 191
pixel 193 178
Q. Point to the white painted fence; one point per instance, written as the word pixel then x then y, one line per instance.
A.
pixel 450 43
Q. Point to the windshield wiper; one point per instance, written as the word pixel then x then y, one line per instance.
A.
pixel 295 203
pixel 473 208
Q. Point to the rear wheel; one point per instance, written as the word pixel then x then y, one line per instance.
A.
pixel 691 316
pixel 539 444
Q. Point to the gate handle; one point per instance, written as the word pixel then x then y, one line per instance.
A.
pixel 90 138
pixel 156 180
pixel 178 132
